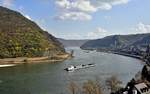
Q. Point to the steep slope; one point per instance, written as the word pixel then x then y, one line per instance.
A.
pixel 116 41
pixel 20 37
pixel 144 41
pixel 72 43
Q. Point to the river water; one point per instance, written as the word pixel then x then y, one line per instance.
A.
pixel 47 78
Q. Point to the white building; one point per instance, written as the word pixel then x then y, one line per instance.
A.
pixel 141 88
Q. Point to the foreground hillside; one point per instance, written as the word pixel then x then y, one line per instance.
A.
pixel 118 42
pixel 20 37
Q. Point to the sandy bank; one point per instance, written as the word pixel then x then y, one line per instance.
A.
pixel 6 62
pixel 7 65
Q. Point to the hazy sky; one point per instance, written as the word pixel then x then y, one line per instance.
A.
pixel 84 19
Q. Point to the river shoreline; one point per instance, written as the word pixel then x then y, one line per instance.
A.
pixel 121 53
pixel 129 55
pixel 8 62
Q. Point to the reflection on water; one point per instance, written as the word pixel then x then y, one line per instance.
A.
pixel 46 78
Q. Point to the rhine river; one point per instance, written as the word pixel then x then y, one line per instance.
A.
pixel 47 78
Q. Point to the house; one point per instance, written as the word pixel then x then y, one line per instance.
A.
pixel 141 88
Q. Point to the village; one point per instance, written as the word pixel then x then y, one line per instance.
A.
pixel 139 85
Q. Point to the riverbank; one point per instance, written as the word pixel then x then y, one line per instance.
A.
pixel 7 65
pixel 6 62
pixel 120 53
pixel 129 55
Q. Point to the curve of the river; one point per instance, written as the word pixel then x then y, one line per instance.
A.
pixel 47 78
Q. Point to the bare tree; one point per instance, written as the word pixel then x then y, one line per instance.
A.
pixel 113 83
pixel 92 87
pixel 73 88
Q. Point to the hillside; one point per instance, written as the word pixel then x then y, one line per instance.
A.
pixel 143 41
pixel 118 42
pixel 72 43
pixel 21 37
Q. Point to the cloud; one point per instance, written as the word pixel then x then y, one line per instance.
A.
pixel 86 6
pixel 74 16
pixel 72 36
pixel 7 3
pixel 78 5
pixel 117 2
pixel 99 33
pixel 107 17
pixel 67 35
pixel 142 28
pixel 42 22
pixel 103 6
pixel 28 17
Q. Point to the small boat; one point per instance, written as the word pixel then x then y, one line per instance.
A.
pixel 72 68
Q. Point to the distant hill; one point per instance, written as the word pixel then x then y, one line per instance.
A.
pixel 143 41
pixel 118 41
pixel 72 43
pixel 21 37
